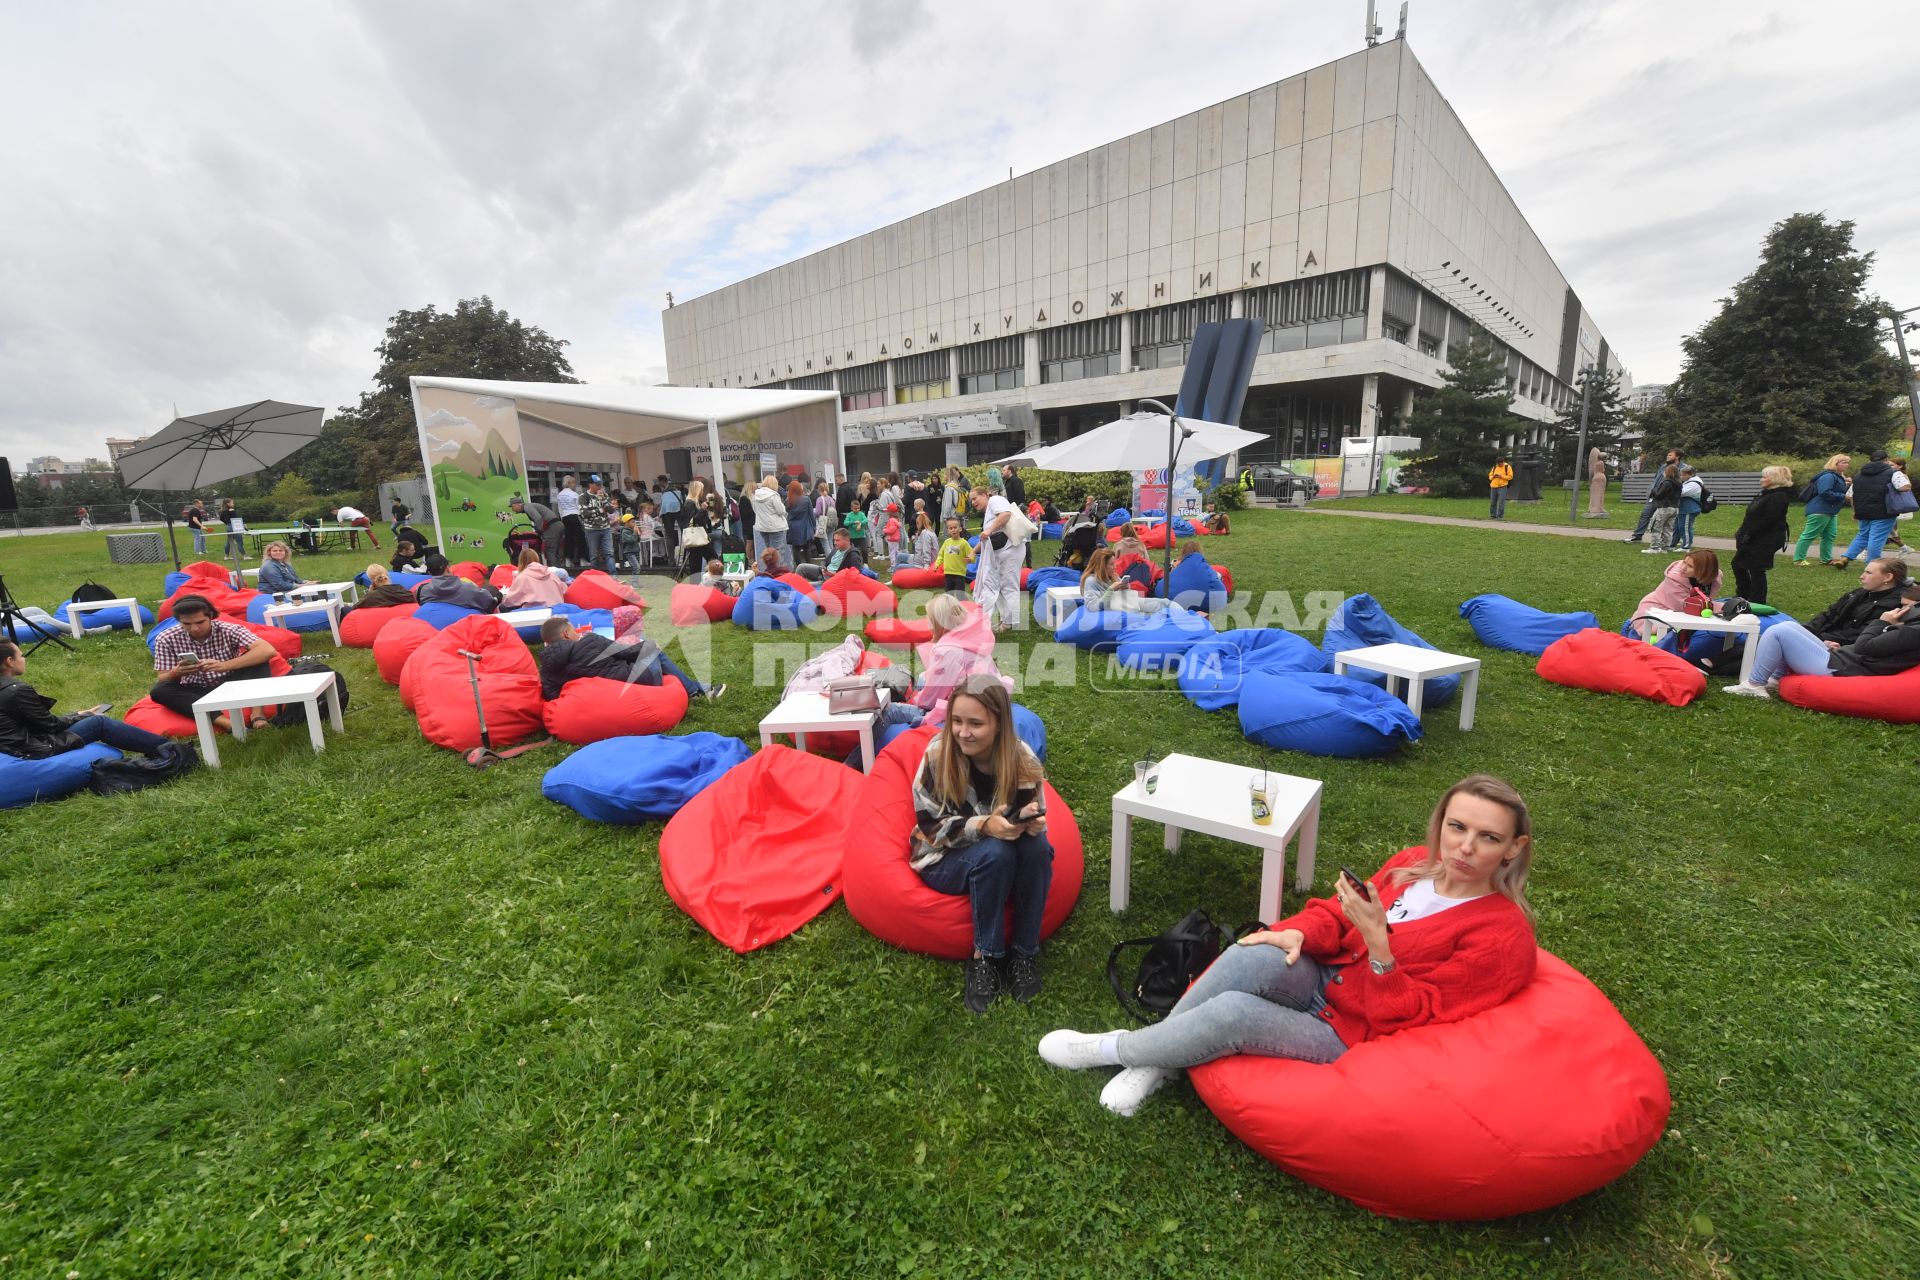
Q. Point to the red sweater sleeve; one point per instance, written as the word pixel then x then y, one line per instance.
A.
pixel 1487 966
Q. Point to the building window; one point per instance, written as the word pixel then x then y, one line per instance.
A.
pixel 1395 330
pixel 1088 349
pixel 1312 313
pixel 863 386
pixel 922 377
pixel 812 382
pixel 998 364
pixel 1161 336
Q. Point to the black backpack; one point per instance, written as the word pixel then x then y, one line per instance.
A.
pixel 137 773
pixel 91 590
pixel 295 713
pixel 1707 501
pixel 1172 961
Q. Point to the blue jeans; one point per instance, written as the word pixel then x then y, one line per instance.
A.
pixel 1646 514
pixel 1787 648
pixel 1250 1001
pixel 662 666
pixel 1497 503
pixel 1683 530
pixel 116 733
pixel 199 542
pixel 1871 539
pixel 777 539
pixel 600 549
pixel 990 872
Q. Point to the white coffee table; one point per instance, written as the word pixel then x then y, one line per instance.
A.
pixel 524 617
pixel 734 583
pixel 330 605
pixel 1746 626
pixel 1416 666
pixel 804 713
pixel 77 607
pixel 348 590
pixel 1056 603
pixel 1211 797
pixel 236 696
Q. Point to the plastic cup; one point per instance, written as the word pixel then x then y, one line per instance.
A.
pixel 1258 801
pixel 1140 768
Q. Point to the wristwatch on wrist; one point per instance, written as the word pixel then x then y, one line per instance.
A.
pixel 1381 968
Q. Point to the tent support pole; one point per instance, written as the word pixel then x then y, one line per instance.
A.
pixel 719 471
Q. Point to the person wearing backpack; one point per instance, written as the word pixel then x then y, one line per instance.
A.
pixel 1693 500
pixel 1872 489
pixel 1441 932
pixel 30 731
pixel 1825 496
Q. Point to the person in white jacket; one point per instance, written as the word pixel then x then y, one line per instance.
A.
pixel 769 517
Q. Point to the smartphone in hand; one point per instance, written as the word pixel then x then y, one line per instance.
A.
pixel 1354 882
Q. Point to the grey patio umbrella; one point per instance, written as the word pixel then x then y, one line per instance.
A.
pixel 207 448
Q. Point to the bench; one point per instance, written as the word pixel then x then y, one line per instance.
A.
pixel 1732 488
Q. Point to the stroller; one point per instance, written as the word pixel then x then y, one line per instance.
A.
pixel 518 539
pixel 1078 545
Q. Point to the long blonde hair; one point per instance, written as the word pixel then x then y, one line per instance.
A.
pixel 696 493
pixel 1510 878
pixel 377 575
pixel 1010 763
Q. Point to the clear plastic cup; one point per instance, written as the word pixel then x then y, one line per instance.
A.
pixel 1140 768
pixel 1259 800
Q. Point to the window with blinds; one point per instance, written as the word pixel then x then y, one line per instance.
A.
pixel 1318 312
pixel 1088 349
pixel 1162 336
pixel 998 364
pixel 922 377
pixel 864 386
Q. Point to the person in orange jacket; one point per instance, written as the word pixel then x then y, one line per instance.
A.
pixel 1498 478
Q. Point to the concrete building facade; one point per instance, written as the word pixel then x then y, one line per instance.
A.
pixel 1347 207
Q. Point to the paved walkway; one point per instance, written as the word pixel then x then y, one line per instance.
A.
pixel 1499 526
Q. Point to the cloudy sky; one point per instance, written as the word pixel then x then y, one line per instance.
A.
pixel 210 203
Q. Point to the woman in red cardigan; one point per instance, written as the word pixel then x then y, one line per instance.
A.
pixel 1442 932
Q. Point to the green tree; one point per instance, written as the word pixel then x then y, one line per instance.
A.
pixel 1792 364
pixel 1606 418
pixel 291 494
pixel 376 440
pixel 1460 424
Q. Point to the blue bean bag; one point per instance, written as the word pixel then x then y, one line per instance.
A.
pixel 1117 517
pixel 1151 513
pixel 637 779
pixel 1507 624
pixel 1051 530
pixel 409 580
pixel 1195 584
pixel 1183 528
pixel 119 617
pixel 1057 575
pixel 1027 725
pixel 1160 643
pixel 23 782
pixel 1361 623
pixel 177 579
pixel 35 623
pixel 442 615
pixel 1323 715
pixel 1214 671
pixel 313 621
pixel 767 604
pixel 1098 630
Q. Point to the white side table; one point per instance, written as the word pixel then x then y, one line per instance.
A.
pixel 1746 626
pixel 805 713
pixel 330 605
pixel 1416 666
pixel 77 607
pixel 348 590
pixel 525 617
pixel 237 696
pixel 1056 603
pixel 734 583
pixel 1211 797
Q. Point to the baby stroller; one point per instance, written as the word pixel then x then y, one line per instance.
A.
pixel 1078 545
pixel 518 538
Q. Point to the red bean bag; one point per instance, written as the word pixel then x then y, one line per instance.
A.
pixel 1226 576
pixel 436 684
pixel 285 643
pixel 396 643
pixel 929 579
pixel 1153 538
pixel 889 898
pixel 154 718
pixel 852 594
pixel 361 627
pixel 798 583
pixel 1523 1107
pixel 899 633
pixel 691 605
pixel 1895 699
pixel 210 580
pixel 472 570
pixel 1610 663
pixel 501 577
pixel 755 856
pixel 593 589
pixel 595 709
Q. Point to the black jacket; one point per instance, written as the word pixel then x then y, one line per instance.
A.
pixel 1665 493
pixel 1881 650
pixel 593 655
pixel 1016 490
pixel 1763 530
pixel 1870 488
pixel 28 727
pixel 1845 619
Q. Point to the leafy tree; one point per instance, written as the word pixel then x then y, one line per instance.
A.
pixel 376 440
pixel 1460 423
pixel 1792 364
pixel 1606 418
pixel 291 493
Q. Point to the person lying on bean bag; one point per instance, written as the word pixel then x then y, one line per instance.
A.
pixel 446 587
pixel 30 731
pixel 570 653
pixel 1842 621
pixel 203 653
pixel 534 585
pixel 980 830
pixel 382 592
pixel 1889 645
pixel 1300 990
pixel 844 554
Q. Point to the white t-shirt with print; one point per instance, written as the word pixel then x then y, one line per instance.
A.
pixel 1420 901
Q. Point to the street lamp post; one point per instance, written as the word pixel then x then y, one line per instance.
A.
pixel 1176 436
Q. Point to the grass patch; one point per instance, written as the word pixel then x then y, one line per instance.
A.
pixel 372 1011
pixel 1552 509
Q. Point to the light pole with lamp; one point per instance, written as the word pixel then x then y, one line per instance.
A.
pixel 1177 434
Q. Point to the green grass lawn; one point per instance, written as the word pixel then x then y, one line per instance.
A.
pixel 373 1012
pixel 1552 509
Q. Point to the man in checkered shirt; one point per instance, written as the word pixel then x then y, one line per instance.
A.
pixel 202 653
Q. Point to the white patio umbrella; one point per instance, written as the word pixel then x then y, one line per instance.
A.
pixel 207 448
pixel 1137 442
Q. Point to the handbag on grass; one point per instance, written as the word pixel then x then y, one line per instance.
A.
pixel 1172 961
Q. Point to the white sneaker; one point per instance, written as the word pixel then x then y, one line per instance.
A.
pixel 1742 689
pixel 1133 1086
pixel 1074 1050
pixel 1653 551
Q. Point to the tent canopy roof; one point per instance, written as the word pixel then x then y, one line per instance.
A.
pixel 626 415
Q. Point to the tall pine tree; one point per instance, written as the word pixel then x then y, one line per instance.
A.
pixel 1792 363
pixel 1460 424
